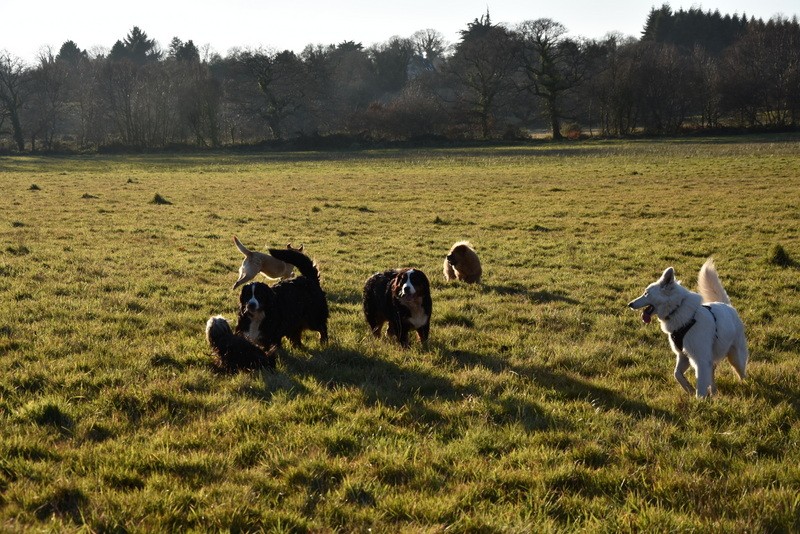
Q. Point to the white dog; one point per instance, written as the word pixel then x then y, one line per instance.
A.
pixel 703 328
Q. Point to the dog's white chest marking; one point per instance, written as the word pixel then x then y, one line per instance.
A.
pixel 255 323
pixel 418 316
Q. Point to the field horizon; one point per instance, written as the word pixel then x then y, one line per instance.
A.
pixel 541 402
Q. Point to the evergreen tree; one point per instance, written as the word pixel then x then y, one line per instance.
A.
pixel 136 47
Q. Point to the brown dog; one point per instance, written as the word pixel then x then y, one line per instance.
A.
pixel 258 262
pixel 462 263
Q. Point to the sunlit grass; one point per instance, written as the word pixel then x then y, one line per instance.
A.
pixel 541 402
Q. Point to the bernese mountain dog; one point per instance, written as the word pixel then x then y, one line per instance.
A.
pixel 401 297
pixel 268 314
pixel 235 352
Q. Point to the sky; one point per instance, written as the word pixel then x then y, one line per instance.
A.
pixel 28 28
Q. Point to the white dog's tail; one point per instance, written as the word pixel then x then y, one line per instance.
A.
pixel 243 249
pixel 708 284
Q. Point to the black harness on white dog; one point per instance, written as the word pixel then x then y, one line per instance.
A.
pixel 678 335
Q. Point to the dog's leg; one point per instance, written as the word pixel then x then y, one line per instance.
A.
pixel 447 270
pixel 376 329
pixel 681 366
pixel 323 335
pixel 737 357
pixel 423 332
pixel 705 378
pixel 402 336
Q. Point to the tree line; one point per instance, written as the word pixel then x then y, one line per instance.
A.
pixel 689 70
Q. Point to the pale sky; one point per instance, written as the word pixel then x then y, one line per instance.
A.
pixel 27 28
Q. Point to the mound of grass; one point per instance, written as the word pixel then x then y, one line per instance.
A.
pixel 48 412
pixel 158 199
pixel 18 250
pixel 778 256
pixel 34 187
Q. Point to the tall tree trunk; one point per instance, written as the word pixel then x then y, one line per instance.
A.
pixel 17 127
pixel 555 124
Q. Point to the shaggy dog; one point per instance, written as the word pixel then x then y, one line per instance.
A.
pixel 258 262
pixel 462 263
pixel 235 352
pixel 268 314
pixel 703 328
pixel 401 297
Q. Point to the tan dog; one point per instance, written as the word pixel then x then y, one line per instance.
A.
pixel 258 262
pixel 462 263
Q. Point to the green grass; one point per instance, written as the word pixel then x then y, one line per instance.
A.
pixel 541 403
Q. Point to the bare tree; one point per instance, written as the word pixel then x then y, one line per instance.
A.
pixel 47 101
pixel 553 65
pixel 483 67
pixel 14 76
pixel 431 45
pixel 278 80
pixel 662 86
pixel 608 92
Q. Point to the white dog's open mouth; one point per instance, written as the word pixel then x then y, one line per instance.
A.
pixel 647 313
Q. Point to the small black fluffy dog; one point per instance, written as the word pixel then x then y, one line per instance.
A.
pixel 268 314
pixel 235 353
pixel 401 297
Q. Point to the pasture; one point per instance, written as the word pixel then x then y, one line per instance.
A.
pixel 541 403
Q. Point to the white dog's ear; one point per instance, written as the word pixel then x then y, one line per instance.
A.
pixel 667 278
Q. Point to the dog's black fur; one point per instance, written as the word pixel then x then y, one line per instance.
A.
pixel 235 352
pixel 288 308
pixel 386 301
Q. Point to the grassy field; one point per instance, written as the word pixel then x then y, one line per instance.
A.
pixel 541 403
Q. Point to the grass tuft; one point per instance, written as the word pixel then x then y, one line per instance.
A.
pixel 49 413
pixel 159 200
pixel 779 257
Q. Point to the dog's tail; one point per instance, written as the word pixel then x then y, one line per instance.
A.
pixel 243 249
pixel 303 263
pixel 709 286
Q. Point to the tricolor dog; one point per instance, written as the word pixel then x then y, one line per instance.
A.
pixel 268 314
pixel 401 297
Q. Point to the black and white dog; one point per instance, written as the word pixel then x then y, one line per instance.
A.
pixel 401 297
pixel 268 314
pixel 234 352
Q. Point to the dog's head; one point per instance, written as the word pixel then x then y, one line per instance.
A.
pixel 459 252
pixel 410 284
pixel 660 297
pixel 254 298
pixel 217 327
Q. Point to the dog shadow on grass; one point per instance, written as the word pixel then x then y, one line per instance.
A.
pixel 561 385
pixel 539 297
pixel 387 383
